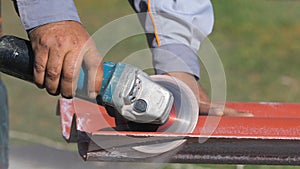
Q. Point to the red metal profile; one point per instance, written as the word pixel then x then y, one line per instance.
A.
pixel 272 136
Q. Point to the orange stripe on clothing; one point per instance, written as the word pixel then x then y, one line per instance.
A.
pixel 0 26
pixel 153 22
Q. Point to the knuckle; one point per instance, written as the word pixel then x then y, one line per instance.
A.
pixel 39 68
pixel 53 73
pixel 60 40
pixel 44 42
pixel 68 75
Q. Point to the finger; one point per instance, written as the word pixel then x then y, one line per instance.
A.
pixel 234 113
pixel 70 72
pixel 204 108
pixel 95 72
pixel 53 70
pixel 40 63
pixel 95 81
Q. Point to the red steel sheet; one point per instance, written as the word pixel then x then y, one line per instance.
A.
pixel 270 137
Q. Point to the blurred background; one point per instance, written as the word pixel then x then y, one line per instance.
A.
pixel 258 42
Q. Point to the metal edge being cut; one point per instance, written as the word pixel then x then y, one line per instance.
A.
pixel 187 112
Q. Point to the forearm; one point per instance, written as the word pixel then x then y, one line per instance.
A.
pixel 175 30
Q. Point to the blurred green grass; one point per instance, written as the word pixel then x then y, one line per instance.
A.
pixel 257 41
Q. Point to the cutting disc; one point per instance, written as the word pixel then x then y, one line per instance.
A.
pixel 183 117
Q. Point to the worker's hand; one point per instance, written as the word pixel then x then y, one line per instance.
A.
pixel 205 106
pixel 60 48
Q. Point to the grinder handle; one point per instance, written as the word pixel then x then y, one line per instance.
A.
pixel 17 60
pixel 16 57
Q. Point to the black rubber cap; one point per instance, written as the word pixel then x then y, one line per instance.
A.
pixel 140 106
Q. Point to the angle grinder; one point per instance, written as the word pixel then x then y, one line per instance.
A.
pixel 139 102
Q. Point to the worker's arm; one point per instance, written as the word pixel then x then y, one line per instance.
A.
pixel 60 44
pixel 175 30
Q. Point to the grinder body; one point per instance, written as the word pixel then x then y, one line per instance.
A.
pixel 132 93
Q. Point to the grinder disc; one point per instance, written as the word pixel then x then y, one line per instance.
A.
pixel 183 120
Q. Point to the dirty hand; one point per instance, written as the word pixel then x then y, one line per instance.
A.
pixel 60 48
